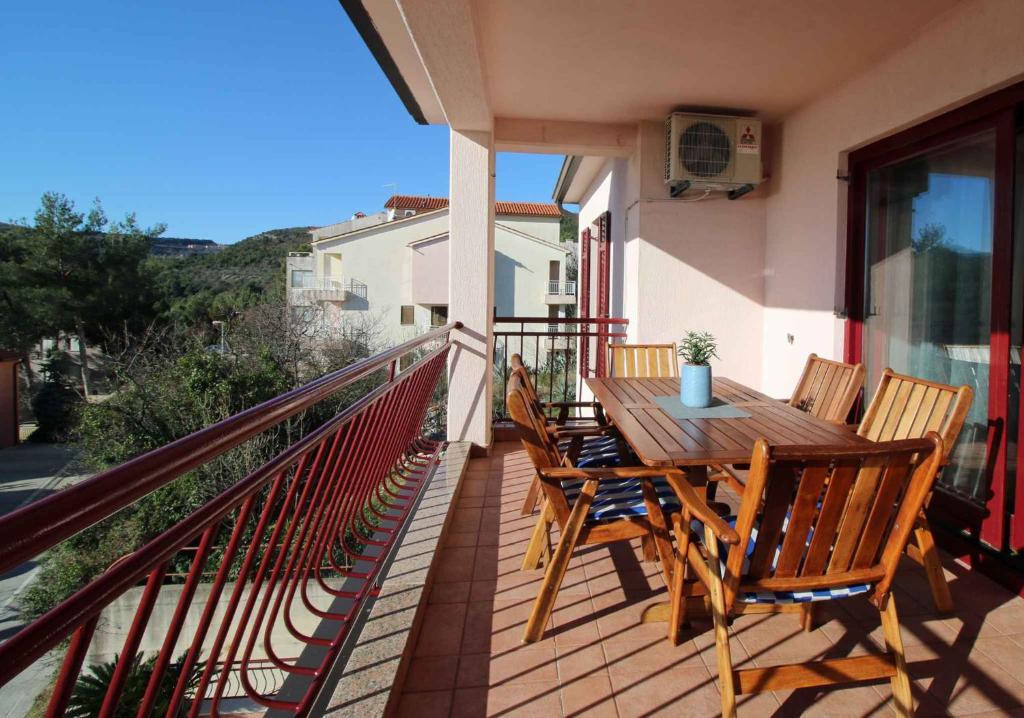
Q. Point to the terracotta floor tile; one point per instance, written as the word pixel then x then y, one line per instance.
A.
pixel 461 539
pixel 856 700
pixel 525 700
pixel 583 661
pixel 455 564
pixel 466 520
pixel 474 670
pixel 471 488
pixel 690 692
pixel 425 704
pixel 628 656
pixel 590 696
pixel 469 702
pixel 476 637
pixel 456 592
pixel 535 663
pixel 432 673
pixel 441 634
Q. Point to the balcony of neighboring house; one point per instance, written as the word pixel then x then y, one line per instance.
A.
pixel 331 289
pixel 558 292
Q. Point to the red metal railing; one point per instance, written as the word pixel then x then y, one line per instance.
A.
pixel 552 348
pixel 293 549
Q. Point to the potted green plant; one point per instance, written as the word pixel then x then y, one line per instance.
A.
pixel 696 349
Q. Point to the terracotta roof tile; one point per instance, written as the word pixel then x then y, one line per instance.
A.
pixel 526 209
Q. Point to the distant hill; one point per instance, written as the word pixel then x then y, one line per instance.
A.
pixel 234 277
pixel 161 246
pixel 183 247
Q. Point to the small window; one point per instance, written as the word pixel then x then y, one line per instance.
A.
pixel 408 315
pixel 405 361
pixel 305 315
pixel 439 315
pixel 302 278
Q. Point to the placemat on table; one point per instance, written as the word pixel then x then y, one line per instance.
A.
pixel 719 409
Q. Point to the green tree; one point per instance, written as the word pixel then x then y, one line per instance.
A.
pixel 93 281
pixel 21 302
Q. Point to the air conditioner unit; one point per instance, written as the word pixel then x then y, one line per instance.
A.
pixel 712 152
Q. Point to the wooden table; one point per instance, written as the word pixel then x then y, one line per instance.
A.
pixel 694 444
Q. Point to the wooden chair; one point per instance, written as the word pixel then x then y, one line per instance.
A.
pixel 642 360
pixel 828 389
pixel 814 524
pixel 562 418
pixel 588 443
pixel 590 506
pixel 906 407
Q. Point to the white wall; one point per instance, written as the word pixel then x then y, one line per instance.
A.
pixel 680 265
pixel 962 55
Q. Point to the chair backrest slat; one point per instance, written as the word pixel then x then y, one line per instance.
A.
pixel 642 360
pixel 776 503
pixel 851 529
pixel 828 389
pixel 801 519
pixel 828 517
pixel 906 407
pixel 889 488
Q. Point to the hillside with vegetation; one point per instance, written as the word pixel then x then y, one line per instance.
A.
pixel 239 276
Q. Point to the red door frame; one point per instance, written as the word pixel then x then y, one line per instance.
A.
pixel 584 289
pixel 994 524
pixel 604 265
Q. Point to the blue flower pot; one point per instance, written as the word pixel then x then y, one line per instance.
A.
pixel 695 386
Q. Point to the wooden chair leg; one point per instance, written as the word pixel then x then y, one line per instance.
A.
pixel 649 549
pixel 659 530
pixel 902 696
pixel 541 612
pixel 532 496
pixel 808 614
pixel 677 615
pixel 933 566
pixel 538 551
pixel 718 613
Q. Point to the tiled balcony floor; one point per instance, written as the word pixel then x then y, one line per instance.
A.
pixel 597 659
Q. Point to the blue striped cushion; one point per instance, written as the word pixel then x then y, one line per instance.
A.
pixel 621 498
pixel 780 597
pixel 597 452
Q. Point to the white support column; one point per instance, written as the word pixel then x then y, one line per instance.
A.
pixel 471 285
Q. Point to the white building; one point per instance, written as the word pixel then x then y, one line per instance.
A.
pixel 391 268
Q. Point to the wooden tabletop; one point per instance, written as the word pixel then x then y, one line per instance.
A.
pixel 660 440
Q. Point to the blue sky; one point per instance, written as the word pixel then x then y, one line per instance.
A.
pixel 221 119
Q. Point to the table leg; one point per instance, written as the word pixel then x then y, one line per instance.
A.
pixel 659 612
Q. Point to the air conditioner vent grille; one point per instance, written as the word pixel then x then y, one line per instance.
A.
pixel 705 149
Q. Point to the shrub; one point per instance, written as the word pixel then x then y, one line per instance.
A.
pixel 56 407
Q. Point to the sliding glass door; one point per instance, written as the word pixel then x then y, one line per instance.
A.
pixel 928 284
pixel 936 290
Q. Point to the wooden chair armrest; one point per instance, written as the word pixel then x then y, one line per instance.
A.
pixel 699 509
pixel 562 473
pixel 568 404
pixel 562 432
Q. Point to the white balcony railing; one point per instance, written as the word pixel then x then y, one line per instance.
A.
pixel 561 288
pixel 336 286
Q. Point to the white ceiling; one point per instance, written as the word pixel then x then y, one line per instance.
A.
pixel 621 60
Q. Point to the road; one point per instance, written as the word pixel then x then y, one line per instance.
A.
pixel 28 472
